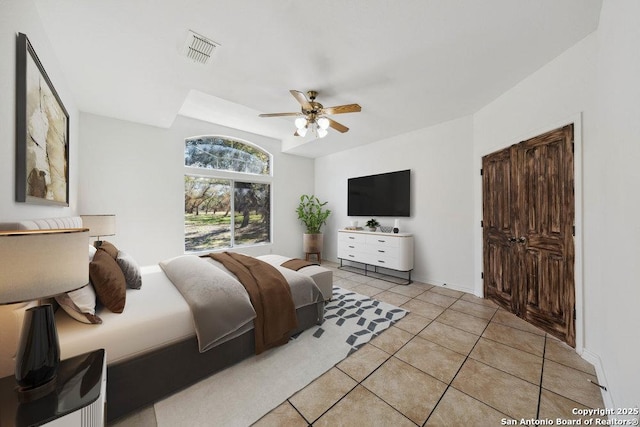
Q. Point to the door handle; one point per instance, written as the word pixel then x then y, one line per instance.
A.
pixel 512 239
pixel 522 240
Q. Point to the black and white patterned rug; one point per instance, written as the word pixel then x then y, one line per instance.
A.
pixel 243 393
pixel 361 317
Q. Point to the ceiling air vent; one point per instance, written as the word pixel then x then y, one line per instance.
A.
pixel 199 48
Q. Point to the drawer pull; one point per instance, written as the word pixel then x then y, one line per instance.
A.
pixel 352 256
pixel 352 247
pixel 380 261
pixel 351 237
pixel 381 251
pixel 382 241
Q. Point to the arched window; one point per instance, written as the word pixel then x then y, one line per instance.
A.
pixel 227 194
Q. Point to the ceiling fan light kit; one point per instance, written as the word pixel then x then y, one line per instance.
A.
pixel 318 127
pixel 312 117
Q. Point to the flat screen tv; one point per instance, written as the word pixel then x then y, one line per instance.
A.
pixel 385 194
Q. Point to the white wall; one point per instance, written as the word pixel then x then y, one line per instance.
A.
pixel 440 159
pixel 136 172
pixel 613 335
pixel 22 16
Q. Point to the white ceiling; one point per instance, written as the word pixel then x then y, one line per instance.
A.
pixel 410 64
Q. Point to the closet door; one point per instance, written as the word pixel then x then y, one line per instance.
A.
pixel 528 216
pixel 500 263
pixel 544 224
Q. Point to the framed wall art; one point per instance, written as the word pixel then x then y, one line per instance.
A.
pixel 42 133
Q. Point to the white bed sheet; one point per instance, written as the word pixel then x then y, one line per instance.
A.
pixel 154 316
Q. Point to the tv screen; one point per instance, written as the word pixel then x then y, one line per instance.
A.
pixel 385 194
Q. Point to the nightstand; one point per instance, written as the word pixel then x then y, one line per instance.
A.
pixel 79 398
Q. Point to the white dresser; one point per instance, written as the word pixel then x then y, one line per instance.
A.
pixel 386 250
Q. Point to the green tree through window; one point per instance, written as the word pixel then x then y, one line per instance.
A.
pixel 227 194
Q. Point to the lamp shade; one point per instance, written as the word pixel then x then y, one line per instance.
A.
pixel 323 123
pixel 99 225
pixel 38 264
pixel 300 122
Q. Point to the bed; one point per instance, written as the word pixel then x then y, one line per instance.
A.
pixel 154 347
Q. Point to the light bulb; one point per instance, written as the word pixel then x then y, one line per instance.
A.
pixel 323 122
pixel 301 122
pixel 322 132
pixel 302 131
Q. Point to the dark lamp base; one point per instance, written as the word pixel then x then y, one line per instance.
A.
pixel 26 395
pixel 38 355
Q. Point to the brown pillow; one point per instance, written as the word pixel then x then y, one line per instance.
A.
pixel 108 281
pixel 109 248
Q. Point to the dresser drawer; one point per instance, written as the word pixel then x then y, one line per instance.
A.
pixel 352 254
pixel 383 241
pixel 355 244
pixel 383 252
pixel 351 237
pixel 391 263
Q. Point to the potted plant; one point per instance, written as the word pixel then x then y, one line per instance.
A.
pixel 372 224
pixel 313 215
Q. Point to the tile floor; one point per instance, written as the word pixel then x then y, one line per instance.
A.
pixel 455 360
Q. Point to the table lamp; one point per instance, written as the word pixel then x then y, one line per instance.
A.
pixel 99 226
pixel 35 265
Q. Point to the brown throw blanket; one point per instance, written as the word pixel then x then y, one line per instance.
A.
pixel 297 263
pixel 270 295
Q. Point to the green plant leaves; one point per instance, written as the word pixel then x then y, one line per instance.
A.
pixel 312 213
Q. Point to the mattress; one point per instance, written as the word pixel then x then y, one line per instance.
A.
pixel 154 316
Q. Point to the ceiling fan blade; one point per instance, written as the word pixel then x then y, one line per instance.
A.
pixel 339 109
pixel 279 114
pixel 337 126
pixel 302 99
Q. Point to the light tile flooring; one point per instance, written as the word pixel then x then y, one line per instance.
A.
pixel 455 360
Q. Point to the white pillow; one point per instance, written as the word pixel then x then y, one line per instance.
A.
pixel 131 270
pixel 80 304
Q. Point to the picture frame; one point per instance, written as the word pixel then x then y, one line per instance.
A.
pixel 42 133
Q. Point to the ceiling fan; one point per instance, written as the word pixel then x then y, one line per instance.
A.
pixel 313 116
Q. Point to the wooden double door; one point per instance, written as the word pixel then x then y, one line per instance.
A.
pixel 528 231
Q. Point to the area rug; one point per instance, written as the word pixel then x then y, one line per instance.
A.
pixel 243 393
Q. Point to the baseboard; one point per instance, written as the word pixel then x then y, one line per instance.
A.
pixel 448 285
pixel 594 359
